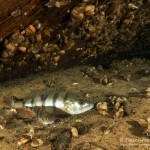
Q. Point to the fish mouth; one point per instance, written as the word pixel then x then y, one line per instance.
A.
pixel 90 106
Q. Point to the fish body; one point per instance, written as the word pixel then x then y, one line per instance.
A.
pixel 67 102
pixel 48 108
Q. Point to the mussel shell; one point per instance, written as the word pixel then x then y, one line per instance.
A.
pixel 80 126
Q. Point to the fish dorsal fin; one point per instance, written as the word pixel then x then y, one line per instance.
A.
pixel 17 99
pixel 61 89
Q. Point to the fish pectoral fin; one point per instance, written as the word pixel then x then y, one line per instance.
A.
pixel 56 112
pixel 61 115
pixel 25 112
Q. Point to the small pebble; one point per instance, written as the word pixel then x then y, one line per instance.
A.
pixel 74 132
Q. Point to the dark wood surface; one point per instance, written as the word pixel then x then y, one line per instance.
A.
pixel 31 10
pixel 8 6
pixel 121 32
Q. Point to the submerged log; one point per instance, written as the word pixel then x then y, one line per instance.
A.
pixel 18 14
pixel 46 35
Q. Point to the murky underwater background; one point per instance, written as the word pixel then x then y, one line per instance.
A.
pixel 124 81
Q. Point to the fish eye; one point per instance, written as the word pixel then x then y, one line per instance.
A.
pixel 81 102
pixel 46 118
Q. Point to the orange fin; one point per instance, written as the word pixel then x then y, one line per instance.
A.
pixel 26 112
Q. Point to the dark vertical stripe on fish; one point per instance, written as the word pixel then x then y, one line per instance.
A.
pixel 38 112
pixel 43 99
pixel 53 110
pixel 66 97
pixel 32 101
pixel 55 98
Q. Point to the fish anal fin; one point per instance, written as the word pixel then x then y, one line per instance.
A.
pixel 5 102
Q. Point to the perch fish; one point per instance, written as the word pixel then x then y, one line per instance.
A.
pixel 57 104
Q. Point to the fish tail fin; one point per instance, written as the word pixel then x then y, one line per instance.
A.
pixel 8 102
